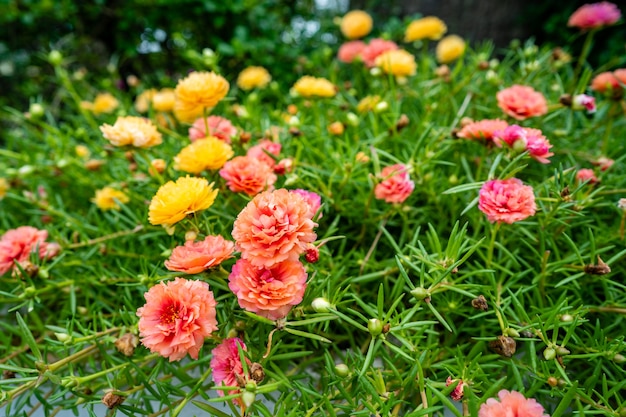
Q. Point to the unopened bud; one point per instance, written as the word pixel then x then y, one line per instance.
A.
pixel 248 398
pixel 511 332
pixel 55 57
pixel 36 110
pixel 191 235
pixel 321 305
pixel 549 353
pixel 552 381
pixel 312 254
pixel 352 118
pixel 618 358
pixel 342 370
pixel 562 351
pixel 567 318
pixel 420 293
pixel 375 327
pixel 381 107
pixel 63 337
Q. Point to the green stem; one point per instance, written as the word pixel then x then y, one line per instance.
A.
pixel 492 242
pixel 583 55
pixel 607 129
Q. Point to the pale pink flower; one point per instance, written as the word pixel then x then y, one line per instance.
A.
pixel 349 51
pixel 269 292
pixel 16 246
pixel 226 366
pixel 260 151
pixel 219 127
pixel 605 82
pixel 375 48
pixel 583 101
pixel 313 200
pixel 587 174
pixel 604 163
pixel 457 393
pixel 245 174
pixel 522 102
pixel 195 257
pixel 176 318
pixel 594 15
pixel 482 129
pixel 511 404
pixel 274 227
pixel 396 185
pixel 506 201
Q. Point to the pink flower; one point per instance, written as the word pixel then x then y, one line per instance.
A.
pixel 274 227
pixel 512 404
pixel 195 257
pixel 605 82
pixel 396 186
pixel 219 127
pixel 260 151
pixel 604 163
pixel 482 130
pixel 16 245
pixel 587 174
pixel 245 174
pixel 594 15
pixel 375 48
pixel 268 292
pixel 583 101
pixel 226 366
pixel 620 74
pixel 522 102
pixel 457 393
pixel 350 51
pixel 313 200
pixel 510 135
pixel 176 318
pixel 506 201
pixel 537 145
pixel 283 166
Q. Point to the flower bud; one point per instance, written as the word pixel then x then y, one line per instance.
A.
pixel 549 353
pixel 250 386
pixel 321 305
pixel 112 400
pixel 55 57
pixel 257 374
pixel 36 110
pixel 375 327
pixel 381 107
pixel 342 370
pixel 352 118
pixel 618 358
pixel 480 303
pixel 376 71
pixel 63 337
pixel 420 293
pixel 562 351
pixel 552 381
pixel 567 318
pixel 511 332
pixel 312 254
pixel 504 346
pixel 248 398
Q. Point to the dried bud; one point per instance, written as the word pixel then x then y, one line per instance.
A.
pixel 483 65
pixel 566 100
pixel 386 328
pixel 480 303
pixel 112 400
pixel 457 393
pixel 504 346
pixel 565 193
pixel 94 164
pixel 336 128
pixel 241 381
pixel 6 374
pixel 403 122
pixel 257 373
pixel 599 269
pixel 245 137
pixel 294 131
pixel 126 344
pixel 552 381
pixel 442 71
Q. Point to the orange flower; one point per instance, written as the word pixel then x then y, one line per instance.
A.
pixel 356 24
pixel 396 185
pixel 104 103
pixel 109 198
pixel 195 257
pixel 203 154
pixel 16 245
pixel 246 174
pixel 308 86
pixel 270 292
pixel 274 227
pixel 482 130
pixel 397 62
pixel 197 92
pixel 605 82
pixel 175 200
pixel 521 102
pixel 130 130
pixel 253 77
pixel 449 49
pixel 176 318
pixel 429 27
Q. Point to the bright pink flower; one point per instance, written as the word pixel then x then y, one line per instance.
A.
pixel 245 174
pixel 605 82
pixel 537 145
pixel 587 174
pixel 350 51
pixel 482 129
pixel 283 166
pixel 510 135
pixel 219 127
pixel 16 245
pixel 375 48
pixel 583 101
pixel 457 393
pixel 260 150
pixel 313 200
pixel 195 257
pixel 268 292
pixel 226 366
pixel 176 318
pixel 511 404
pixel 274 227
pixel 506 201
pixel 522 102
pixel 396 185
pixel 594 15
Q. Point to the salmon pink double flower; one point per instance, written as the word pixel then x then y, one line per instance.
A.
pixel 507 201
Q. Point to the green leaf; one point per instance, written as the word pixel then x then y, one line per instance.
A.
pixel 28 337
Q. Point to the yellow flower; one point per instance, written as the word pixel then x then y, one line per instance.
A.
pixel 144 100
pixel 450 48
pixel 82 151
pixel 109 198
pixel 130 130
pixel 367 103
pixel 4 187
pixel 197 92
pixel 175 200
pixel 203 154
pixel 164 100
pixel 253 77
pixel 308 86
pixel 356 24
pixel 399 63
pixel 429 27
pixel 104 103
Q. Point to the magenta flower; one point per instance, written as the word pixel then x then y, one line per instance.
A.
pixel 511 404
pixel 583 101
pixel 226 364
pixel 594 15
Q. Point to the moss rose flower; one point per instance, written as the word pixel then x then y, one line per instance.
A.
pixel 195 257
pixel 176 318
pixel 449 49
pixel 349 51
pixel 482 129
pixel 513 404
pixel 356 24
pixel 594 15
pixel 396 185
pixel 507 201
pixel 226 364
pixel 108 198
pixel 522 102
pixel 309 86
pixel 197 92
pixel 253 77
pixel 274 227
pixel 175 200
pixel 203 154
pixel 261 150
pixel 219 127
pixel 429 27
pixel 374 49
pixel 130 130
pixel 16 245
pixel 245 174
pixel 269 292
pixel 397 62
